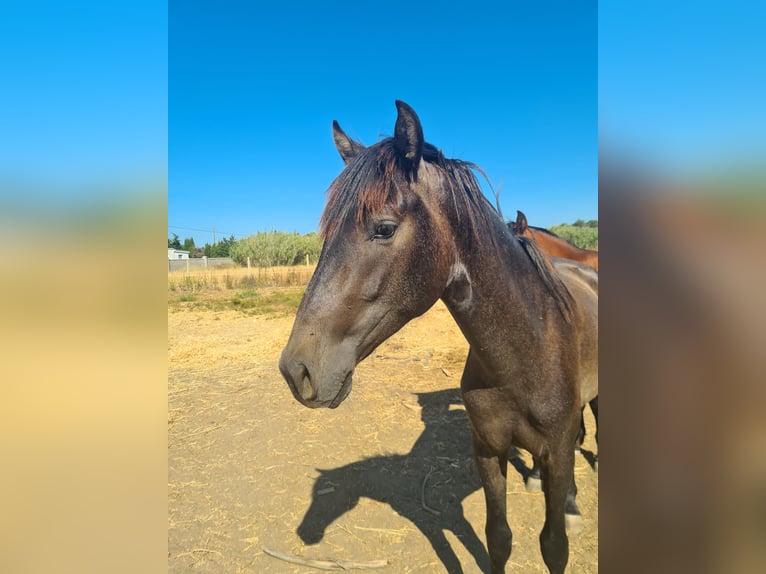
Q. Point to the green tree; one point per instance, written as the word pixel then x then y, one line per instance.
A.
pixel 223 247
pixel 188 244
pixel 174 243
pixel 219 248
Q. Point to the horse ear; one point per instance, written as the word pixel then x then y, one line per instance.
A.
pixel 347 148
pixel 521 222
pixel 408 134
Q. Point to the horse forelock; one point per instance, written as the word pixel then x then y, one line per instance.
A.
pixel 368 183
pixel 377 177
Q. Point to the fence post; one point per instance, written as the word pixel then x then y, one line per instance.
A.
pixel 249 271
pixel 187 266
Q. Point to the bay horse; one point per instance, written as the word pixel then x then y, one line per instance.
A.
pixel 403 227
pixel 553 245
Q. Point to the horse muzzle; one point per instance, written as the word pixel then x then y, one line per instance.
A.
pixel 309 389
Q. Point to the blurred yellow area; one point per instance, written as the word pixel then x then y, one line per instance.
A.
pixel 83 371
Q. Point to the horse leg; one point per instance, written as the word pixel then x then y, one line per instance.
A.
pixel 594 409
pixel 581 434
pixel 493 470
pixel 573 516
pixel 534 482
pixel 557 469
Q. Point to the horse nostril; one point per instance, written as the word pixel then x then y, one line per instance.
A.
pixel 297 376
pixel 303 384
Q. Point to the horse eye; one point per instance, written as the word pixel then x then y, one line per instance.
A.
pixel 384 230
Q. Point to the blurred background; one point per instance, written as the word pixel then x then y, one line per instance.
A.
pixel 682 209
pixel 83 187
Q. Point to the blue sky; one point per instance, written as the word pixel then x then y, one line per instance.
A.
pixel 235 100
pixel 254 87
pixel 83 106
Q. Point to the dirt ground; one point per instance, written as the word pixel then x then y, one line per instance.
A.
pixel 387 476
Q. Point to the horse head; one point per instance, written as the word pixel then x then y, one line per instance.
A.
pixel 382 262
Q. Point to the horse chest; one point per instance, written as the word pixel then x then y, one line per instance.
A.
pixel 493 418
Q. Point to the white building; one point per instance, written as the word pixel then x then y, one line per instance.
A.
pixel 177 254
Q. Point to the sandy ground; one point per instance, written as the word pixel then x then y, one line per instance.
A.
pixel 387 476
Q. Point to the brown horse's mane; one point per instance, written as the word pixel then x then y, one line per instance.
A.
pixel 548 231
pixel 379 176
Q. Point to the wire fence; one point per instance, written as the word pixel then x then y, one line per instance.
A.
pixel 200 263
pixel 234 277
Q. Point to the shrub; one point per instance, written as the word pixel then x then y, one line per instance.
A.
pixel 273 248
pixel 584 236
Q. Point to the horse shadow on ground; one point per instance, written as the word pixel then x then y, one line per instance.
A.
pixel 426 486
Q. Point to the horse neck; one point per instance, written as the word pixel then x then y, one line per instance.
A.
pixel 555 246
pixel 494 292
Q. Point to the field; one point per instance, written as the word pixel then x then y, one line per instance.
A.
pixel 386 476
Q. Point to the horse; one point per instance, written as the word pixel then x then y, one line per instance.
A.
pixel 552 244
pixel 556 247
pixel 403 227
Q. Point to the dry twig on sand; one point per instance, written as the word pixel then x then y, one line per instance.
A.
pixel 423 496
pixel 326 564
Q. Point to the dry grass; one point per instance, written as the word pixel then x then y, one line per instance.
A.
pixel 258 291
pixel 238 277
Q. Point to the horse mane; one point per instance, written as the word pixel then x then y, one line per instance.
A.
pixel 548 231
pixel 378 177
pixel 550 277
